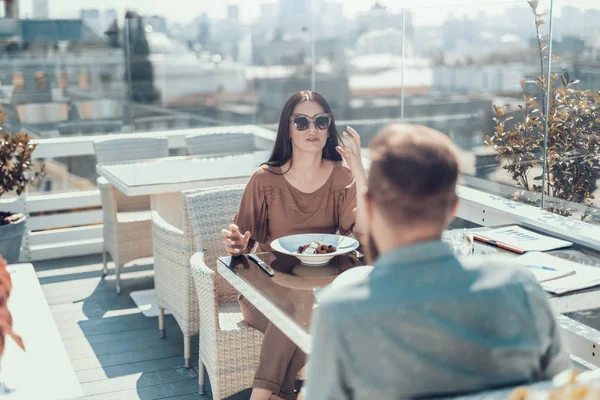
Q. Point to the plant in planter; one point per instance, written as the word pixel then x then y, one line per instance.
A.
pixel 572 163
pixel 16 173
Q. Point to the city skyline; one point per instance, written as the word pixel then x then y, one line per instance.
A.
pixel 425 12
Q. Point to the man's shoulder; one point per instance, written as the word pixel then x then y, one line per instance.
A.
pixel 338 301
pixel 491 274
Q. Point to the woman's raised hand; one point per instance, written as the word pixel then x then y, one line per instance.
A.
pixel 235 242
pixel 352 154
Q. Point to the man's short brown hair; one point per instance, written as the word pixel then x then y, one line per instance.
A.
pixel 413 174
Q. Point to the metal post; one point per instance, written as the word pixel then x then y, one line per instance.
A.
pixel 312 48
pixel 402 68
pixel 128 64
pixel 547 106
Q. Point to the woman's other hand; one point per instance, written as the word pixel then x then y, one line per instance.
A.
pixel 235 242
pixel 352 154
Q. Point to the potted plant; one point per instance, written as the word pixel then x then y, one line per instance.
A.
pixel 567 161
pixel 16 173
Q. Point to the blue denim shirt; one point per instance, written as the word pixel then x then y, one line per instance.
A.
pixel 425 324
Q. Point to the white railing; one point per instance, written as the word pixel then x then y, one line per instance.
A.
pixel 74 227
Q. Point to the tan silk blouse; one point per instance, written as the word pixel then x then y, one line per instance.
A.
pixel 272 208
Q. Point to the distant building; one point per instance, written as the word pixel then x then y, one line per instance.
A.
pixel 40 9
pixel 109 17
pixel 269 12
pixel 225 36
pixel 11 9
pixel 233 12
pixel 293 51
pixel 274 91
pixel 587 74
pixel 495 79
pixel 331 49
pixel 386 41
pixel 465 119
pixel 182 79
pixel 203 34
pixel 294 16
pixel 381 75
pixel 267 21
pixel 330 22
pixel 158 23
pixel 92 19
pixel 39 37
pixel 377 18
pixel 457 31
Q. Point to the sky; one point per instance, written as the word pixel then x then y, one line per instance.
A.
pixel 425 12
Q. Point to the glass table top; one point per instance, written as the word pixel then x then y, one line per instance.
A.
pixel 184 169
pixel 291 288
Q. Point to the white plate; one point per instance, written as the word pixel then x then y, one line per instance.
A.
pixel 290 244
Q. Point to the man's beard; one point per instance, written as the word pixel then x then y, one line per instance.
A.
pixel 371 250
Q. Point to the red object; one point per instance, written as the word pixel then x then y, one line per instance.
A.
pixel 5 317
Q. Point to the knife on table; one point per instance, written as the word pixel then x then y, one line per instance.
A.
pixel 263 265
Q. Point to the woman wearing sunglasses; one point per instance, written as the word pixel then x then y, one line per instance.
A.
pixel 303 188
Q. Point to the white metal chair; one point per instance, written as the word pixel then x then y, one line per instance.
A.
pixel 220 143
pixel 229 349
pixel 127 225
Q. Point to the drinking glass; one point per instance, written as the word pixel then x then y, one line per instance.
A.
pixel 461 242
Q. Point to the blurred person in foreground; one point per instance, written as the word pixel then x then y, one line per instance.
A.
pixel 425 324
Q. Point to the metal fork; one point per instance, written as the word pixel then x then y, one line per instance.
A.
pixel 359 256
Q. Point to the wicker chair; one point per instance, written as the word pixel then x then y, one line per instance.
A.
pixel 229 349
pixel 173 282
pixel 220 143
pixel 127 225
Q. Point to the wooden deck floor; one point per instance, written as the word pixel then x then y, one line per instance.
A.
pixel 115 350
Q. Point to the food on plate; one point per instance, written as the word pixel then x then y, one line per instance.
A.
pixel 316 247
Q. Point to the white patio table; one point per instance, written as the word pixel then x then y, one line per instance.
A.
pixel 165 178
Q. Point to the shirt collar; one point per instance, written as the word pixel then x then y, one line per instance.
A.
pixel 417 254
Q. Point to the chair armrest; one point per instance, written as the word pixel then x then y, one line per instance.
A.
pixel 168 229
pixel 172 253
pixel 208 327
pixel 205 278
pixel 107 198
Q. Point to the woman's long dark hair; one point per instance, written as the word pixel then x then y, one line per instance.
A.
pixel 282 150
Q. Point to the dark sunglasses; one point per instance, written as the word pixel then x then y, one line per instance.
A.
pixel 302 122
